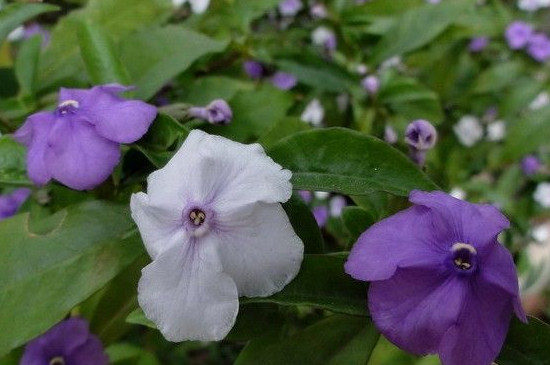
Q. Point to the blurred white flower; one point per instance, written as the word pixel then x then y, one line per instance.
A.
pixel 17 34
pixel 540 101
pixel 533 5
pixel 324 37
pixel 393 62
pixel 197 6
pixel 313 113
pixel 321 194
pixel 496 131
pixel 336 205
pixel 542 194
pixel 468 130
pixel 342 101
pixel 536 277
pixel 458 193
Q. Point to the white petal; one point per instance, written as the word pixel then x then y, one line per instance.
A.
pixel 199 6
pixel 313 113
pixel 160 228
pixel 212 169
pixel 186 294
pixel 259 249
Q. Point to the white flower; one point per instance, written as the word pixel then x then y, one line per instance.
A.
pixel 458 193
pixel 212 223
pixel 197 6
pixel 533 5
pixel 322 35
pixel 16 34
pixel 540 101
pixel 542 194
pixel 468 130
pixel 313 113
pixel 496 131
pixel 321 194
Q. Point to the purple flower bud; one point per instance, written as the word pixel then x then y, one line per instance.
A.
pixel 318 11
pixel 321 215
pixel 325 37
pixel 530 165
pixel 217 112
pixel 390 135
pixel 283 80
pixel 539 47
pixel 68 342
pixel 34 29
pixel 253 69
pixel 420 135
pixel 478 44
pixel 290 7
pixel 517 34
pixel 10 203
pixel 78 143
pixel 306 195
pixel 371 84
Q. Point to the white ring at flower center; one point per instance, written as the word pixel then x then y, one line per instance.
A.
pixel 459 246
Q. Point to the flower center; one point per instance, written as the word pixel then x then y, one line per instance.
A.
pixel 464 257
pixel 68 106
pixel 197 217
pixel 197 220
pixel 58 360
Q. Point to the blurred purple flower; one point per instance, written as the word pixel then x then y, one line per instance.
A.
pixel 10 203
pixel 68 342
pixel 371 84
pixel 530 165
pixel 253 69
pixel 34 29
pixel 478 44
pixel 420 136
pixel 305 195
pixel 324 37
pixel 217 112
pixel 318 11
pixel 321 215
pixel 290 7
pixel 539 47
pixel 283 80
pixel 440 280
pixel 78 143
pixel 390 135
pixel 517 34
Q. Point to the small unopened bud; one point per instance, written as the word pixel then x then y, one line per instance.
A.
pixel 217 112
pixel 283 80
pixel 530 165
pixel 253 69
pixel 371 84
pixel 420 136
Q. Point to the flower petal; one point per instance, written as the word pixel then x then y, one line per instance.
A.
pixel 258 248
pixel 216 168
pixel 478 335
pixel 416 307
pixel 159 228
pixel 406 239
pixel 77 156
pixel 89 353
pixel 476 224
pixel 186 294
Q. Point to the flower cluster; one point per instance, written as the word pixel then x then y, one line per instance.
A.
pixel 520 35
pixel 280 79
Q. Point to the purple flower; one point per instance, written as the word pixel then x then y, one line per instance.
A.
pixel 324 37
pixel 336 205
pixel 371 84
pixel 34 29
pixel 253 69
pixel 420 136
pixel 306 195
pixel 283 80
pixel 440 280
pixel 530 165
pixel 10 203
pixel 318 11
pixel 78 143
pixel 217 112
pixel 517 34
pixel 290 7
pixel 68 342
pixel 478 44
pixel 321 215
pixel 539 47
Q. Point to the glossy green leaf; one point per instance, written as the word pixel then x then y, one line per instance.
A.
pixel 357 220
pixel 163 133
pixel 12 162
pixel 284 128
pixel 45 275
pixel 100 57
pixel 138 317
pixel 170 51
pixel 526 344
pixel 304 224
pixel 348 162
pixel 335 340
pixel 26 64
pixel 322 283
pixel 13 15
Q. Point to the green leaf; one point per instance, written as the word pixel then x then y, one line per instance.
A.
pixel 335 340
pixel 347 162
pixel 304 225
pixel 170 51
pixel 527 134
pixel 100 57
pixel 357 220
pixel 205 89
pixel 322 283
pixel 12 162
pixel 45 275
pixel 164 132
pixel 26 64
pixel 138 317
pixel 284 128
pixel 13 15
pixel 526 344
pixel 497 77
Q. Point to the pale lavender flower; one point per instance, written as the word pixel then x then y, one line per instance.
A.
pixel 478 44
pixel 68 342
pixel 33 29
pixel 283 80
pixel 371 84
pixel 518 34
pixel 530 165
pixel 336 204
pixel 420 136
pixel 468 130
pixel 253 69
pixel 440 281
pixel 290 7
pixel 212 222
pixel 539 47
pixel 324 37
pixel 390 135
pixel 320 213
pixel 318 11
pixel 306 195
pixel 77 144
pixel 314 113
pixel 217 112
pixel 496 131
pixel 10 203
pixel 542 194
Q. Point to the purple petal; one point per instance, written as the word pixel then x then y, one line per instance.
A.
pixel 89 353
pixel 283 80
pixel 10 203
pixel 78 157
pixel 416 307
pixel 321 215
